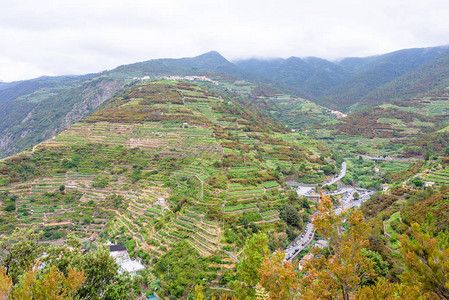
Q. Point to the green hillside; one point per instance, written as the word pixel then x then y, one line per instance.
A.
pixel 159 163
pixel 39 113
pixel 35 110
pixel 298 113
pixel 293 111
pixel 367 80
pixel 349 84
pixel 410 127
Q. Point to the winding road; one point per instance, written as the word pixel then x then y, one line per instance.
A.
pixel 346 202
pixel 340 175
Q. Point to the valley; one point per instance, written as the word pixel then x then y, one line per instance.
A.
pixel 188 169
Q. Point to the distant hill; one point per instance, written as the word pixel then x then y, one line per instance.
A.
pixel 308 77
pixel 45 108
pixel 431 77
pixel 376 73
pixel 34 110
pixel 5 85
pixel 210 63
pixel 349 81
pixel 12 90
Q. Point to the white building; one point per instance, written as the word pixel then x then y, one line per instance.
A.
pixel 321 244
pixel 121 256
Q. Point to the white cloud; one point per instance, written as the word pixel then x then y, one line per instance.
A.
pixel 74 37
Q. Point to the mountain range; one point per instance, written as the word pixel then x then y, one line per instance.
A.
pixel 181 161
pixel 32 111
pixel 368 80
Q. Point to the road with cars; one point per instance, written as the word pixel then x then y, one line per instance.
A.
pixel 300 242
pixel 346 202
pixel 308 190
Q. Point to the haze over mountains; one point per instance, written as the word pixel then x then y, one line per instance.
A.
pixel 353 80
pixel 34 110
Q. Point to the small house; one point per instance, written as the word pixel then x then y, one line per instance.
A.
pixel 428 183
pixel 121 256
pixel 117 250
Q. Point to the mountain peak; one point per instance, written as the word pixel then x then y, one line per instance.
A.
pixel 212 56
pixel 212 53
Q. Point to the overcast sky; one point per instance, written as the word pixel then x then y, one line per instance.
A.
pixel 44 37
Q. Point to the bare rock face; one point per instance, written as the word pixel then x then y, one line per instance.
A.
pixel 49 117
pixel 93 96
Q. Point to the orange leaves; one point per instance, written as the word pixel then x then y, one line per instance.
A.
pixel 384 290
pixel 278 276
pixel 51 286
pixel 74 280
pixel 5 285
pixel 345 269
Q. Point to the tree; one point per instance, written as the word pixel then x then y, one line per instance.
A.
pixel 381 267
pixel 425 261
pixel 199 292
pixel 155 284
pixel 180 269
pixel 102 275
pixel 20 249
pixel 254 251
pixel 103 280
pixel 290 216
pixel 52 285
pixel 387 290
pixel 261 293
pixel 119 288
pixel 277 276
pixel 356 195
pixel 5 284
pixel 418 183
pixel 329 169
pixel 345 269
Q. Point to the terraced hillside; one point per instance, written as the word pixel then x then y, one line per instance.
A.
pixel 160 163
pixel 293 111
pixel 408 128
pixel 437 175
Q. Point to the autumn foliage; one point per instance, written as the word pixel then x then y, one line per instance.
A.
pixel 53 285
pixel 279 277
pixel 340 274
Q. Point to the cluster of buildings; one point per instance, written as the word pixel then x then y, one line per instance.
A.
pixel 189 78
pixel 338 114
